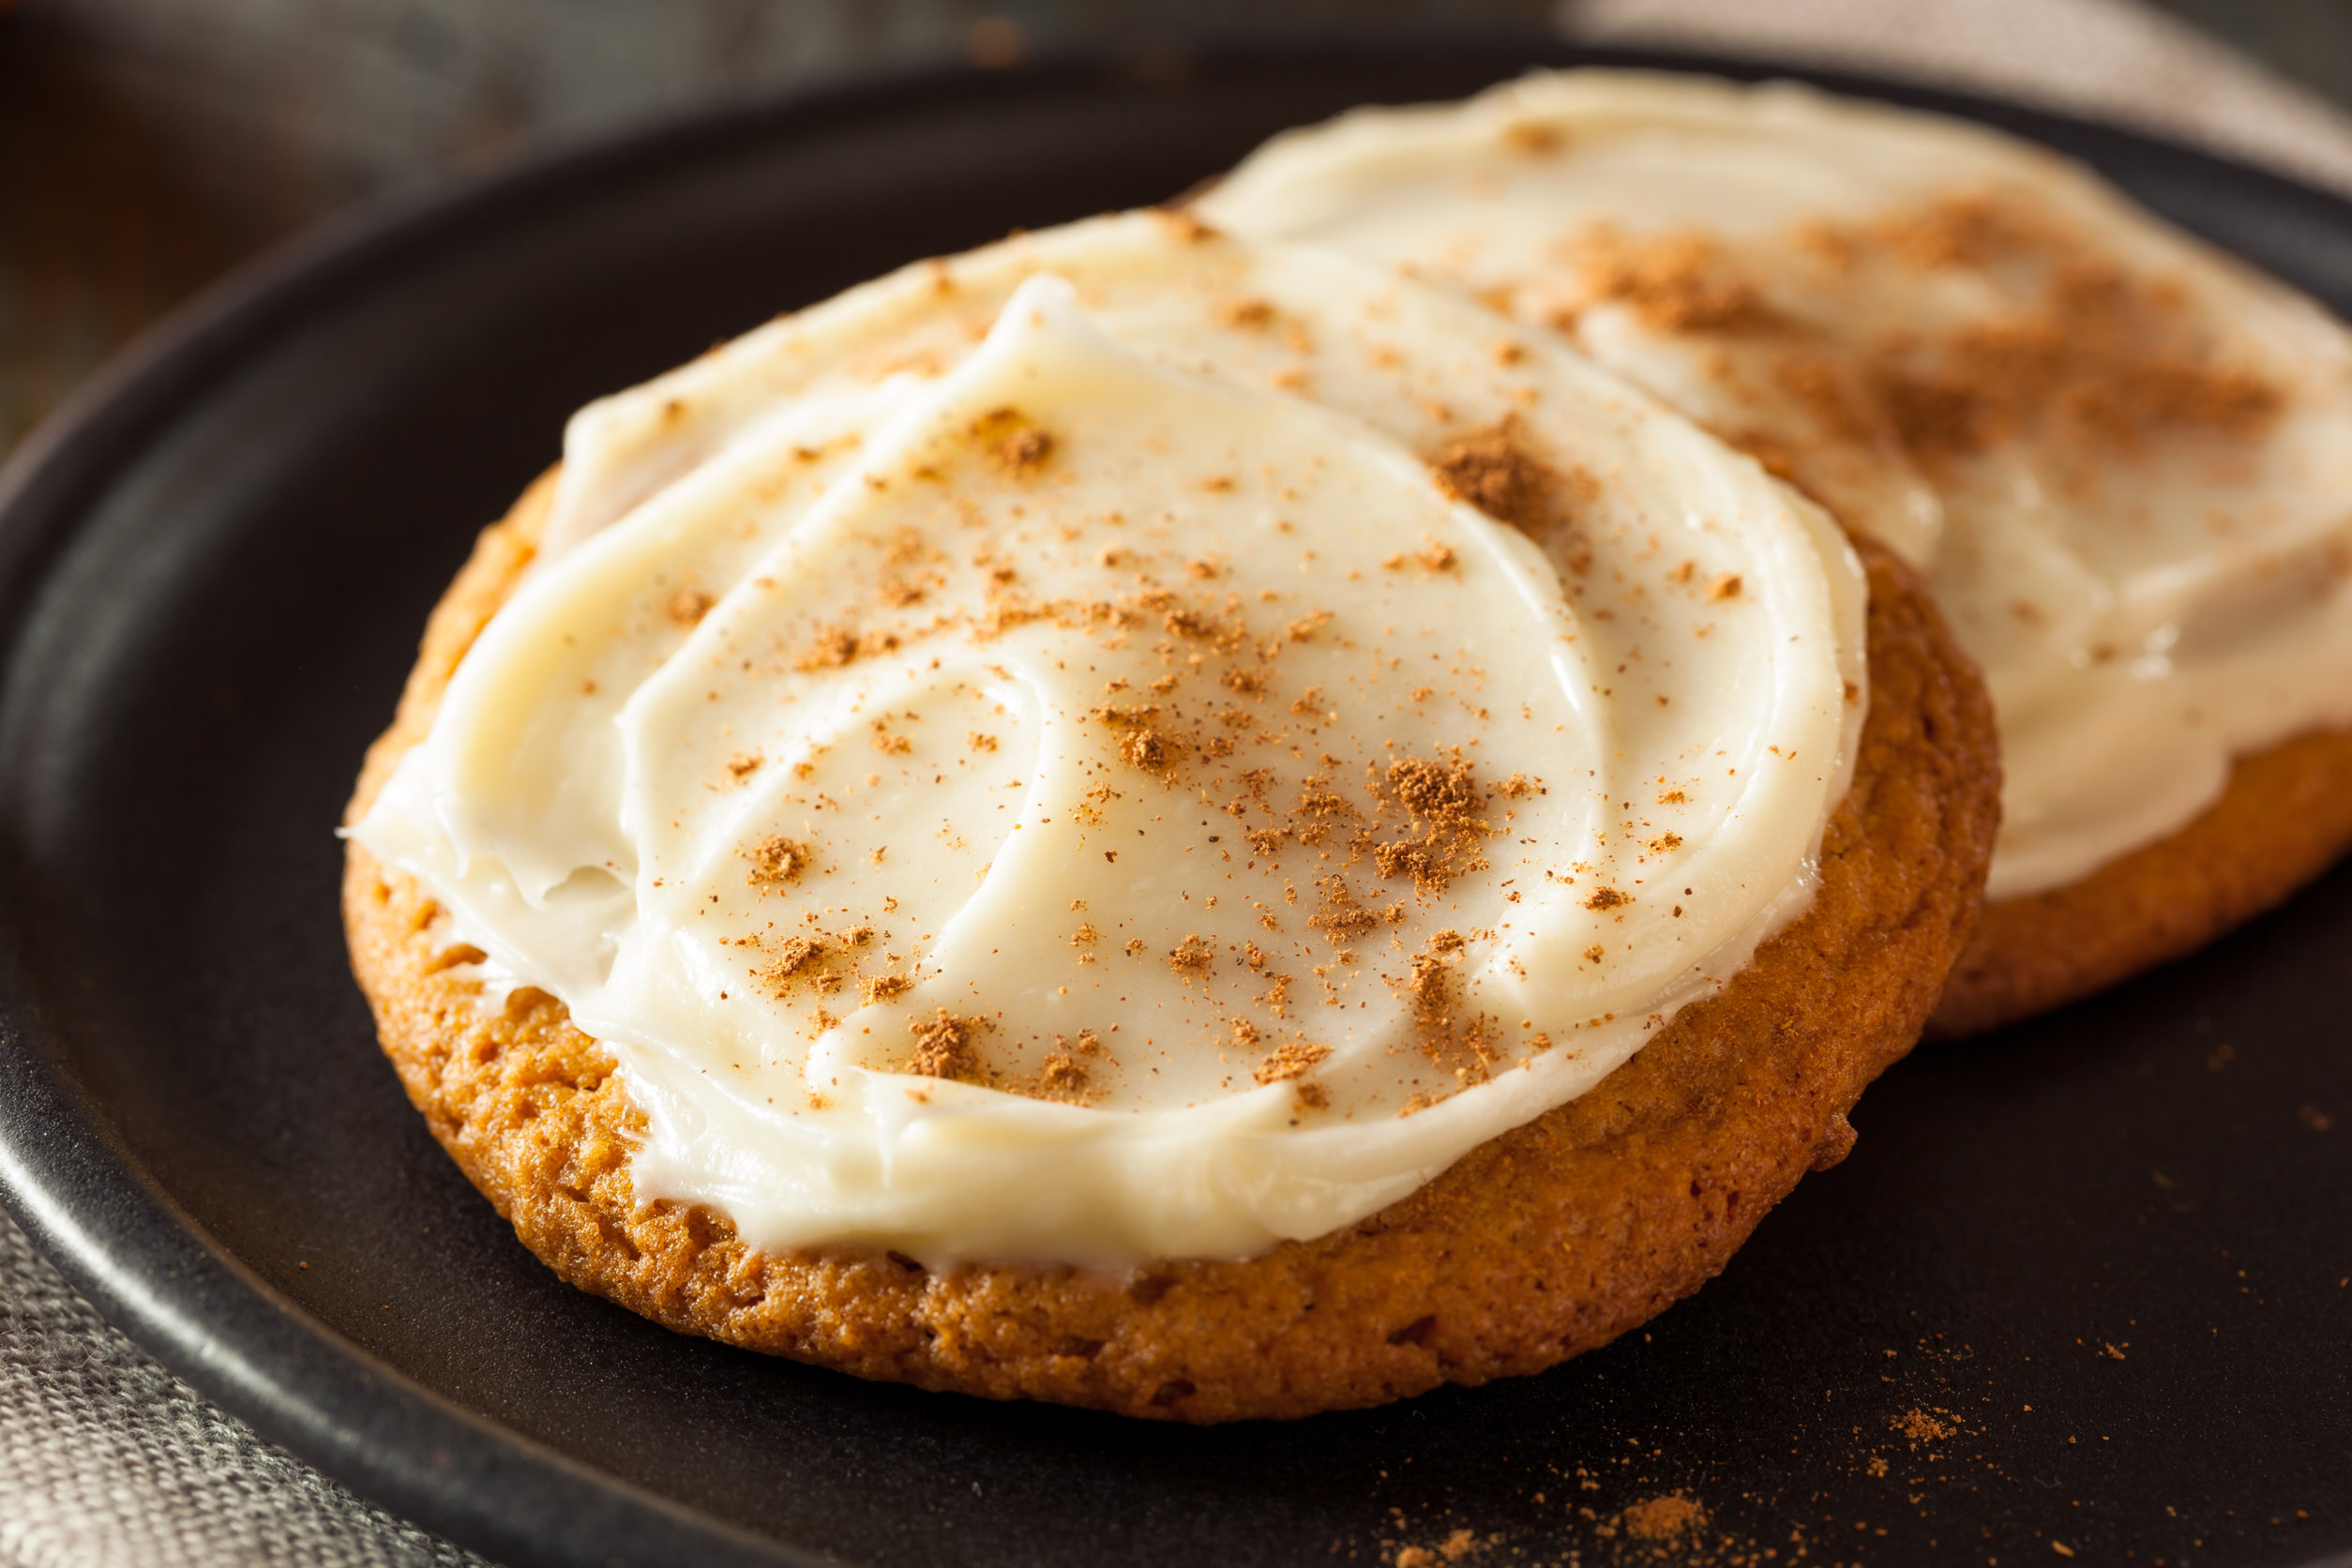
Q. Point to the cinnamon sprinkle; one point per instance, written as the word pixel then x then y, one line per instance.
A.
pixel 943 1047
pixel 1677 282
pixel 1289 1061
pixel 1493 471
pixel 777 860
pixel 1011 444
pixel 1672 1519
pixel 1444 798
pixel 830 650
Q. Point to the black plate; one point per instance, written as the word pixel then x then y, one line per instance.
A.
pixel 2083 1283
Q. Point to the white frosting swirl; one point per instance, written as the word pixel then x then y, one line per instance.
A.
pixel 1029 759
pixel 2124 460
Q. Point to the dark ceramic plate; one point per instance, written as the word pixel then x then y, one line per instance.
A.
pixel 2082 1285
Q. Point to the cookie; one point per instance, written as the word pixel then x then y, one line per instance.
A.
pixel 1153 822
pixel 1545 1242
pixel 2286 818
pixel 2116 456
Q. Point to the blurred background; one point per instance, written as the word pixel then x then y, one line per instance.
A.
pixel 148 145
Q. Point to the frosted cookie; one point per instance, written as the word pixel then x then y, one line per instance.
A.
pixel 2119 457
pixel 1159 824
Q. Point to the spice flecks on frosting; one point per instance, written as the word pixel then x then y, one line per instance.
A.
pixel 2120 458
pixel 1112 804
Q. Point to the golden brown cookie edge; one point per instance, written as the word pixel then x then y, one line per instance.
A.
pixel 1544 1243
pixel 2284 817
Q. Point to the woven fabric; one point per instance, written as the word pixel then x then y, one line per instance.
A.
pixel 108 1461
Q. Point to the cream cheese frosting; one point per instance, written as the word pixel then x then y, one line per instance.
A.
pixel 2123 459
pixel 1131 744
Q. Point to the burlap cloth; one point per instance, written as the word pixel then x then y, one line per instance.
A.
pixel 107 1459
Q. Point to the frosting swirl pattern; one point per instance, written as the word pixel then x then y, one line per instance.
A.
pixel 2119 457
pixel 1131 744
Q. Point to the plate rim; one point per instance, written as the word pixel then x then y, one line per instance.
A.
pixel 83 1195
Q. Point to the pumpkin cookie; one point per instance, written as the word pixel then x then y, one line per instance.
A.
pixel 1550 1241
pixel 1143 821
pixel 2118 456
pixel 2285 817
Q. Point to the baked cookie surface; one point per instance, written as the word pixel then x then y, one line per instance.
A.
pixel 1545 1242
pixel 2286 818
pixel 2115 453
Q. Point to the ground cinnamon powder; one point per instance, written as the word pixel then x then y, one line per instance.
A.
pixel 1493 471
pixel 1677 282
pixel 2078 358
pixel 944 1047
